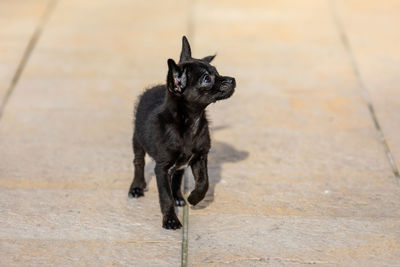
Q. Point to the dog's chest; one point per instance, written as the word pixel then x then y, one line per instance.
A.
pixel 186 152
pixel 183 162
pixel 193 138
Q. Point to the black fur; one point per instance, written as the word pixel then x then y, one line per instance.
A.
pixel 171 126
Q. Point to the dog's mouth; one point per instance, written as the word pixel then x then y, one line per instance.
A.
pixel 226 89
pixel 224 94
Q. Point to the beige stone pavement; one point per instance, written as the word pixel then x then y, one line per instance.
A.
pixel 299 173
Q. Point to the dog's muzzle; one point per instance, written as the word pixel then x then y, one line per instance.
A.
pixel 228 84
pixel 227 88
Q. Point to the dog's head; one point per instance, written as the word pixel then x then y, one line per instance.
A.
pixel 196 80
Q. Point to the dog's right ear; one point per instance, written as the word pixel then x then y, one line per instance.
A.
pixel 186 53
pixel 176 79
pixel 208 59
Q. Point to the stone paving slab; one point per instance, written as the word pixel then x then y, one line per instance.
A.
pixel 377 53
pixel 89 227
pixel 57 252
pixel 75 214
pixel 295 145
pixel 87 106
pixel 18 20
pixel 293 241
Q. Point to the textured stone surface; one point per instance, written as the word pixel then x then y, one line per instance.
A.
pixel 64 252
pixel 83 227
pixel 237 240
pixel 298 173
pixel 18 20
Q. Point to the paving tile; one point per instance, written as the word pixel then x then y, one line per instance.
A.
pixel 40 252
pixel 235 240
pixel 78 214
pixel 72 111
pixel 66 139
pixel 18 21
pixel 84 227
pixel 377 55
pixel 295 141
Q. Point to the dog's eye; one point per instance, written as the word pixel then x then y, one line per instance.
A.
pixel 206 78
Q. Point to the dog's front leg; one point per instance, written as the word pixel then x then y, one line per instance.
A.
pixel 170 220
pixel 199 170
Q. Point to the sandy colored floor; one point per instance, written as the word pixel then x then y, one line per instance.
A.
pixel 304 158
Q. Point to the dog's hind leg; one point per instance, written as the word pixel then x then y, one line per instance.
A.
pixel 176 188
pixel 138 184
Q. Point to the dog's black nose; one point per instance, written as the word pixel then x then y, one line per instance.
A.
pixel 229 81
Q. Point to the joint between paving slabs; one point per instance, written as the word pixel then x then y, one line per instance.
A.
pixel 27 53
pixel 185 228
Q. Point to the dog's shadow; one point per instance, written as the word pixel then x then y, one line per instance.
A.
pixel 220 153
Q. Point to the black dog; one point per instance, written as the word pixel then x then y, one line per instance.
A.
pixel 171 126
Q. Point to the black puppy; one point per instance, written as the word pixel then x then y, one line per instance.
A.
pixel 171 126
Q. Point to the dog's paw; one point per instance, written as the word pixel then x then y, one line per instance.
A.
pixel 194 199
pixel 171 222
pixel 136 192
pixel 180 202
pixel 197 195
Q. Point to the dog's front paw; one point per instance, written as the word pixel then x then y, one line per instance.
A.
pixel 194 198
pixel 179 201
pixel 136 192
pixel 171 222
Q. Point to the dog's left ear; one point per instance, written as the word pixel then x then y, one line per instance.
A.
pixel 208 59
pixel 176 79
pixel 186 53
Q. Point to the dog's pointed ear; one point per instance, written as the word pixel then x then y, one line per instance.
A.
pixel 176 79
pixel 208 59
pixel 186 53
